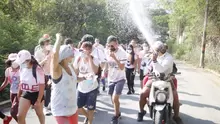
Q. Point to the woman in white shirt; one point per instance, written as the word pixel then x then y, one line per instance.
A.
pixel 63 95
pixel 130 67
pixel 12 76
pixel 31 89
pixel 87 67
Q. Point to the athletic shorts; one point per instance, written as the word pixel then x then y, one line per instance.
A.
pixel 87 99
pixel 116 87
pixel 31 96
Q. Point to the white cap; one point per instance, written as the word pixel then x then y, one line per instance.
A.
pixel 12 56
pixel 22 56
pixel 65 52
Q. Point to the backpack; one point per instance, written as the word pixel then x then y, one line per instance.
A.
pixel 34 67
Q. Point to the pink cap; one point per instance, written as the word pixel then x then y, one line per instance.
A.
pixel 46 36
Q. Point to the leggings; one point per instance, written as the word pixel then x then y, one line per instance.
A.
pixel 67 120
pixel 14 108
pixel 47 92
pixel 130 78
pixel 2 116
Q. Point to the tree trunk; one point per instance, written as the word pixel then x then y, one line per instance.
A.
pixel 202 57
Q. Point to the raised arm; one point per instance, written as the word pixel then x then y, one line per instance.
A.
pixel 55 68
pixel 94 64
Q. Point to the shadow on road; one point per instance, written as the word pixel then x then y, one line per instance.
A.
pixel 104 115
pixel 199 104
pixel 191 94
pixel 191 120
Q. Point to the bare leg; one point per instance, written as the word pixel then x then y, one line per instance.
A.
pixel 40 114
pixel 90 116
pixel 23 108
pixel 116 103
pixel 83 111
pixel 143 98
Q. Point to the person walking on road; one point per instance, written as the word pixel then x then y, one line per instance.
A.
pixel 12 76
pixel 87 66
pixel 115 68
pixel 31 88
pixel 64 80
pixel 43 56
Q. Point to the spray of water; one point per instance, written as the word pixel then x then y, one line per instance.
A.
pixel 133 13
pixel 141 19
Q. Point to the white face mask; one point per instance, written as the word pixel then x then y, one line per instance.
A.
pixel 23 65
pixel 83 55
pixel 48 48
pixel 145 48
pixel 129 51
pixel 14 65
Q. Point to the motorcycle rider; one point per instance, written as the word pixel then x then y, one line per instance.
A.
pixel 162 63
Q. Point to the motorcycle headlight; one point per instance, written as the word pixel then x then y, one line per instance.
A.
pixel 161 97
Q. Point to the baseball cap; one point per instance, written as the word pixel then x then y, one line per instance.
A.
pixel 22 56
pixel 65 52
pixel 12 56
pixel 45 37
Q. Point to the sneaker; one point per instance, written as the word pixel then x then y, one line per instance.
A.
pixel 129 92
pixel 47 112
pixel 133 92
pixel 119 116
pixel 8 120
pixel 103 88
pixel 141 116
pixel 114 120
pixel 178 120
pixel 85 120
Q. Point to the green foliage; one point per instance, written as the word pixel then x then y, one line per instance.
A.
pixel 23 22
pixel 160 23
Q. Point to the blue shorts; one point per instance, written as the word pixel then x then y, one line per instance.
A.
pixel 116 87
pixel 87 99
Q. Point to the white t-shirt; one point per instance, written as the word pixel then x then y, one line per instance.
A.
pixel 114 72
pixel 86 71
pixel 164 64
pixel 128 64
pixel 99 54
pixel 13 78
pixel 28 81
pixel 40 56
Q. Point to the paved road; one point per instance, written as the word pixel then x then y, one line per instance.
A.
pixel 199 94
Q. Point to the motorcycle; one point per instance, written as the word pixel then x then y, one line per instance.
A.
pixel 161 99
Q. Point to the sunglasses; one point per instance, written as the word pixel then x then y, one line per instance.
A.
pixel 110 46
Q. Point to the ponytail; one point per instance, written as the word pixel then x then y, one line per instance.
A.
pixel 34 62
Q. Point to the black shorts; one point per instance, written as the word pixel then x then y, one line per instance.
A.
pixel 31 96
pixel 141 74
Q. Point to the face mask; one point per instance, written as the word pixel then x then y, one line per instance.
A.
pixel 129 51
pixel 23 65
pixel 48 48
pixel 145 48
pixel 14 65
pixel 83 55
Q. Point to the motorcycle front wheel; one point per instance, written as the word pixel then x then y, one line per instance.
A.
pixel 159 117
